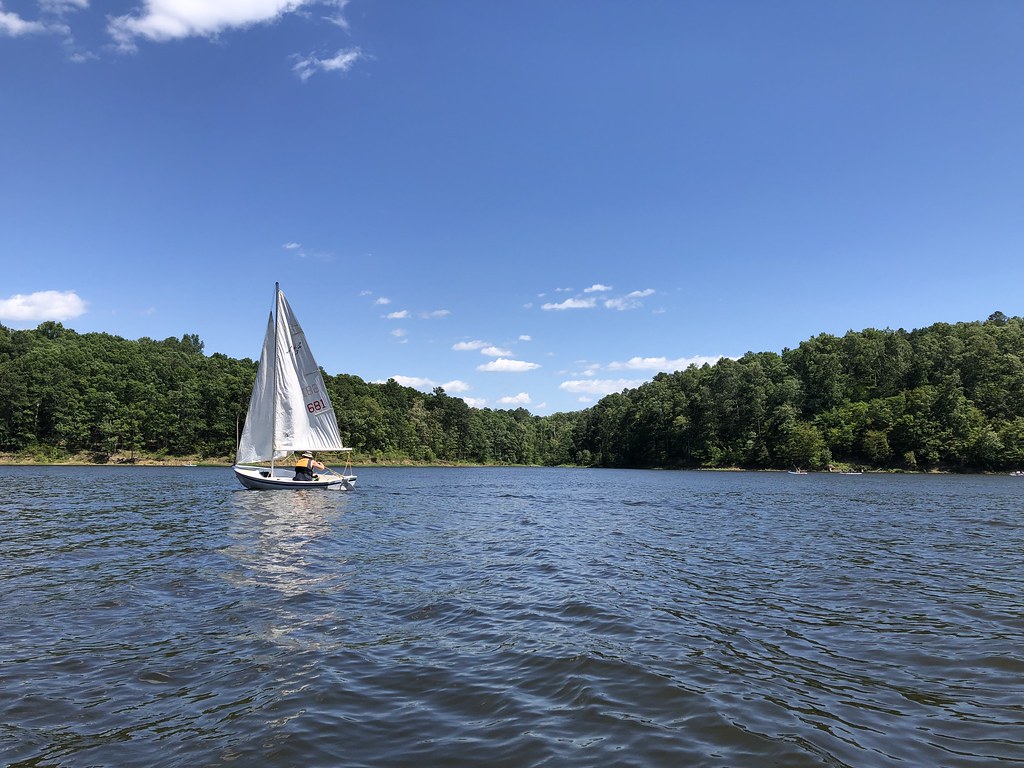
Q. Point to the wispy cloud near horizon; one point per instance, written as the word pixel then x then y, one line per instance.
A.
pixel 504 365
pixel 631 300
pixel 570 304
pixel 599 386
pixel 427 384
pixel 663 363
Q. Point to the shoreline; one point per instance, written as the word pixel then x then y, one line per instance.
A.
pixel 224 462
pixel 13 460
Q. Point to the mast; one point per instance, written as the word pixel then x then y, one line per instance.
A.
pixel 273 433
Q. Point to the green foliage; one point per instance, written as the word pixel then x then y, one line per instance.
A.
pixel 104 394
pixel 948 396
pixel 66 393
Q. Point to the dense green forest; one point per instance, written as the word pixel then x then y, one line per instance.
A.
pixel 949 396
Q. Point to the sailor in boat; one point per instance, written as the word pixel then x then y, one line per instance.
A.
pixel 304 467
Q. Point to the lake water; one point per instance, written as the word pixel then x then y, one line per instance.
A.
pixel 510 617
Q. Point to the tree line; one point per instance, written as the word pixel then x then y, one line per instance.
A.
pixel 947 396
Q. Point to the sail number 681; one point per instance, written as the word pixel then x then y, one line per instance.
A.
pixel 316 405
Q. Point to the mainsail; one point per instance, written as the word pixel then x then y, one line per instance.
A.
pixel 290 409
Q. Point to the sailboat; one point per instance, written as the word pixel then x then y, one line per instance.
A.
pixel 289 410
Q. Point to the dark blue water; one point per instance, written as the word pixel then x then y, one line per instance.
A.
pixel 510 617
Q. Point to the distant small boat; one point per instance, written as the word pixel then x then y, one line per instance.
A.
pixel 851 473
pixel 798 471
pixel 1017 473
pixel 289 410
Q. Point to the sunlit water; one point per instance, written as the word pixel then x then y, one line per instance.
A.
pixel 511 617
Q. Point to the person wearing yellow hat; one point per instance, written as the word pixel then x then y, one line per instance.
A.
pixel 304 467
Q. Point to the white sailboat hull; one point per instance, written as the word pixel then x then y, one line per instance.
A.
pixel 262 479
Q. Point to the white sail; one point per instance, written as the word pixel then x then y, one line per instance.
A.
pixel 290 409
pixel 305 419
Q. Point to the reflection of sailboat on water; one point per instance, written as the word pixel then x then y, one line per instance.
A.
pixel 288 542
pixel 289 410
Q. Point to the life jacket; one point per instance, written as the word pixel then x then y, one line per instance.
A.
pixel 304 467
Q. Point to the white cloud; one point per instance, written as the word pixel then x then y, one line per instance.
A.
pixel 416 382
pixel 495 352
pixel 399 315
pixel 292 246
pixel 525 337
pixel 521 399
pixel 467 346
pixel 342 62
pixel 505 365
pixel 571 304
pixel 475 402
pixel 382 300
pixel 663 363
pixel 339 20
pixel 599 386
pixel 161 20
pixel 631 300
pixel 60 7
pixel 620 304
pixel 399 332
pixel 435 314
pixel 426 385
pixel 42 305
pixel 12 25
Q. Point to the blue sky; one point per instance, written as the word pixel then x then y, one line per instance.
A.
pixel 528 203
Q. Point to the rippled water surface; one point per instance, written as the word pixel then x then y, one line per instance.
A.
pixel 510 617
